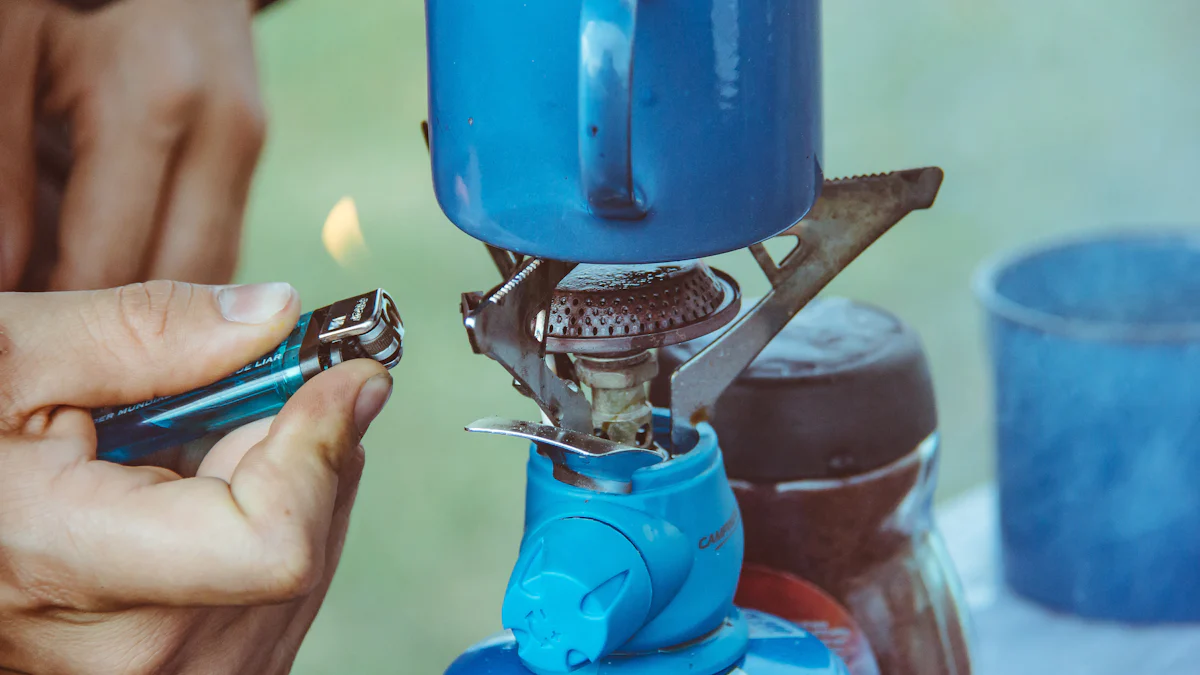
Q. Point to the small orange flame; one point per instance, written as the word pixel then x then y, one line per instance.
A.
pixel 342 235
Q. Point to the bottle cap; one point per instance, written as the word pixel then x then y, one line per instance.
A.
pixel 842 390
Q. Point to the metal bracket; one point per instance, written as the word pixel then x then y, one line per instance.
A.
pixel 506 261
pixel 497 324
pixel 849 216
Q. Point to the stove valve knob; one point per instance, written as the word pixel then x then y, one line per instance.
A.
pixel 579 591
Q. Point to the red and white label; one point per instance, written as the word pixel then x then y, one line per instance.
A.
pixel 793 599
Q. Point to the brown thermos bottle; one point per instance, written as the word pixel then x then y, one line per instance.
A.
pixel 830 440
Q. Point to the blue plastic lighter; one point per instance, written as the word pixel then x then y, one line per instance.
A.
pixel 364 326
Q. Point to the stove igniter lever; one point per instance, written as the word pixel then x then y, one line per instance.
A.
pixel 580 459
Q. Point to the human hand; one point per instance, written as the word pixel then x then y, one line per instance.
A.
pixel 161 99
pixel 115 569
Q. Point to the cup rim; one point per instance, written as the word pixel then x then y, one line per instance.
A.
pixel 984 285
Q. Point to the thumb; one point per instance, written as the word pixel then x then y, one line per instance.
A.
pixel 94 348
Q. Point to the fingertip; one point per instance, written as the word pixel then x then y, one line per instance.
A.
pixel 258 303
pixel 323 414
pixel 338 389
pixel 66 436
pixel 319 422
pixel 362 369
pixel 373 395
pixel 224 456
pixel 65 422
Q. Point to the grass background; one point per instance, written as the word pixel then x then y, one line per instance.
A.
pixel 1048 118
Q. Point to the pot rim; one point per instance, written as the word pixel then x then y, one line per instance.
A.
pixel 987 276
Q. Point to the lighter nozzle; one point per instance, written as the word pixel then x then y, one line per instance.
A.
pixel 370 324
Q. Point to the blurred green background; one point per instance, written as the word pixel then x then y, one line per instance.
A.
pixel 1047 117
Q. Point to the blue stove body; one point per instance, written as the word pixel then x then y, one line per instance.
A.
pixel 637 581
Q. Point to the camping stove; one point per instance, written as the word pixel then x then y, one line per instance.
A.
pixel 633 543
pixel 609 318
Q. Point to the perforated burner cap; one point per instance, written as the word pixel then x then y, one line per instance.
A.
pixel 615 309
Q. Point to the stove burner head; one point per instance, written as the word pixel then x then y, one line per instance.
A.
pixel 617 309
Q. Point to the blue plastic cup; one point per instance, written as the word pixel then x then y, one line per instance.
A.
pixel 1095 347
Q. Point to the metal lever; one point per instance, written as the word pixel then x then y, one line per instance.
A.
pixel 580 459
pixel 497 324
pixel 849 216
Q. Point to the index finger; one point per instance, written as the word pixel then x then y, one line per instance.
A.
pixel 111 202
pixel 130 96
pixel 19 49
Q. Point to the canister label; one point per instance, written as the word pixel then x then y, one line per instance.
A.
pixel 791 598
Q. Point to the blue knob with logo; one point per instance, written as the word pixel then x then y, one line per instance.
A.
pixel 579 591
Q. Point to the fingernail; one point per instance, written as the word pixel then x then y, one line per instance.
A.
pixel 371 399
pixel 254 303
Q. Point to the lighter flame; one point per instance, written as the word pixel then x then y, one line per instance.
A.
pixel 342 235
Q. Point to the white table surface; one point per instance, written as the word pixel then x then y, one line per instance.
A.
pixel 1016 637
